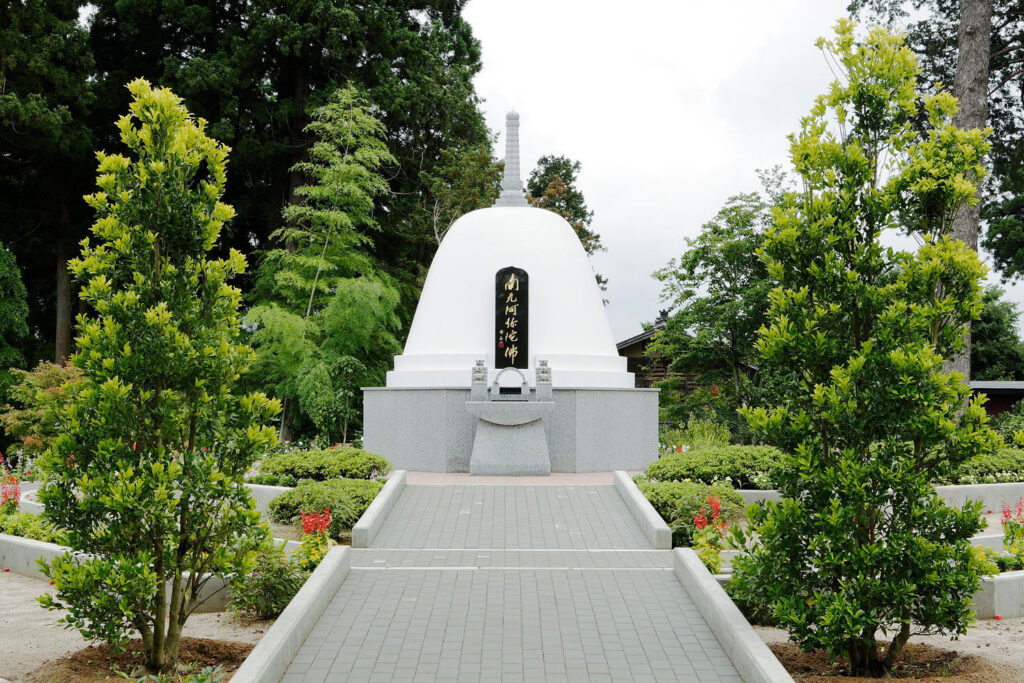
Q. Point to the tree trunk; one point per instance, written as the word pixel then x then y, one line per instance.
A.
pixel 970 85
pixel 62 339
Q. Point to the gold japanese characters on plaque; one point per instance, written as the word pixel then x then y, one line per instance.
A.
pixel 511 318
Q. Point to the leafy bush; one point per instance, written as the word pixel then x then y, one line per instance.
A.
pixel 331 463
pixel 347 499
pixel 1003 465
pixel 678 501
pixel 748 593
pixel 32 527
pixel 745 467
pixel 264 592
pixel 1010 425
pixel 698 433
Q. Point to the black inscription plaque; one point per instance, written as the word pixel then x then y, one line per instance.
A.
pixel 511 318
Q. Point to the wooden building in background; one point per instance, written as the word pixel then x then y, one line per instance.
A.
pixel 647 370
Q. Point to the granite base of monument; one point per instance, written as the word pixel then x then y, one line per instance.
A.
pixel 510 438
pixel 587 430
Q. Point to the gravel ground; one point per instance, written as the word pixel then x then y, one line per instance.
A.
pixel 30 635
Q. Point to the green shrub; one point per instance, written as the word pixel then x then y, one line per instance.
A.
pixel 1003 465
pixel 32 527
pixel 748 594
pixel 698 433
pixel 347 499
pixel 745 467
pixel 330 463
pixel 678 501
pixel 269 587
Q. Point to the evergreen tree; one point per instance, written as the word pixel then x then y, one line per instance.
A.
pixel 256 70
pixel 860 542
pixel 466 179
pixel 718 297
pixel 147 470
pixel 997 352
pixel 45 100
pixel 13 312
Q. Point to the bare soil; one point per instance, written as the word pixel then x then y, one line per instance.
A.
pixel 101 663
pixel 972 659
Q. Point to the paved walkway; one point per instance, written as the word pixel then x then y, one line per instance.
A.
pixel 511 583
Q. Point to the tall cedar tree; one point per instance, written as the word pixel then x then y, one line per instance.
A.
pixel 860 543
pixel 13 312
pixel 45 100
pixel 147 471
pixel 256 70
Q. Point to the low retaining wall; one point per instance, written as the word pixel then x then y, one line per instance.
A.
pixel 1002 594
pixel 270 658
pixel 991 496
pixel 654 527
pixel 264 494
pixel 751 657
pixel 365 530
pixel 21 555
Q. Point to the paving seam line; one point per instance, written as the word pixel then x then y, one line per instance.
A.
pixel 519 568
pixel 653 526
pixel 270 659
pixel 371 521
pixel 519 550
pixel 751 657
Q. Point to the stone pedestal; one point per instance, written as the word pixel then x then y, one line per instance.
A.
pixel 510 439
pixel 589 430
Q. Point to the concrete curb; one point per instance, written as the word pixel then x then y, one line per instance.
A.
pixel 263 494
pixel 990 495
pixel 654 527
pixel 993 541
pixel 271 657
pixel 365 530
pixel 748 653
pixel 1002 594
pixel 20 555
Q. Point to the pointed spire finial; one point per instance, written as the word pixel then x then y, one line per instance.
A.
pixel 511 183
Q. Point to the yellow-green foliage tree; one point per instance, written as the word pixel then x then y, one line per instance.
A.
pixel 147 471
pixel 860 544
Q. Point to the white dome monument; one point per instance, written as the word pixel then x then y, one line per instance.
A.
pixel 510 366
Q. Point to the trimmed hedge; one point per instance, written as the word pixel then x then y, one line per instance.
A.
pixel 330 463
pixel 1003 465
pixel 347 499
pixel 744 467
pixel 678 501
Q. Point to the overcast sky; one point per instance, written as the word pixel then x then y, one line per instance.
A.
pixel 670 105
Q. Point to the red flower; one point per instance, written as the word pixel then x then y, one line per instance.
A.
pixel 700 520
pixel 316 523
pixel 716 506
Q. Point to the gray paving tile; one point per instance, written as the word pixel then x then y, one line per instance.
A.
pixel 528 517
pixel 511 583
